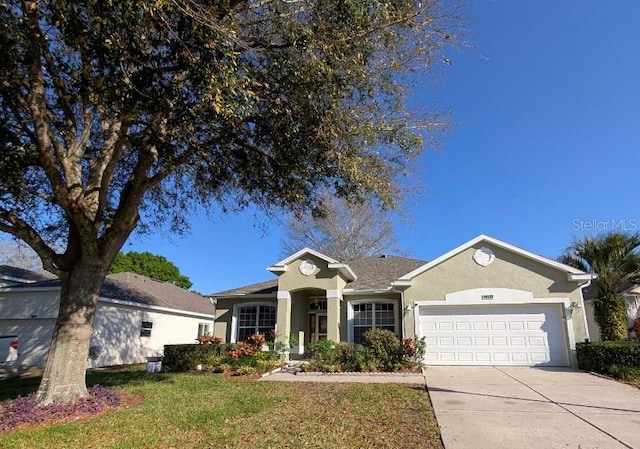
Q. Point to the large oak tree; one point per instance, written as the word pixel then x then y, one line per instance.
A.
pixel 121 114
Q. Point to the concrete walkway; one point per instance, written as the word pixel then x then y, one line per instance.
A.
pixel 518 407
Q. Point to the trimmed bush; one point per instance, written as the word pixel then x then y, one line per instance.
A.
pixel 221 358
pixel 382 351
pixel 187 356
pixel 601 356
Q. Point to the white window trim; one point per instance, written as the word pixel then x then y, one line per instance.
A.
pixel 236 311
pixel 396 313
pixel 153 325
pixel 205 324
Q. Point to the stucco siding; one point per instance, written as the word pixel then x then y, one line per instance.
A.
pixel 322 278
pixel 224 314
pixel 509 270
pixel 116 331
pixel 29 304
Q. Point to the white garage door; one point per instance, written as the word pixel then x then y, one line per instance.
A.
pixel 494 335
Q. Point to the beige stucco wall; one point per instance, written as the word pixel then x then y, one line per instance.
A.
pixel 116 329
pixel 322 278
pixel 224 314
pixel 509 270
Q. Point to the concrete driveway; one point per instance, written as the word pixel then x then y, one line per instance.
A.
pixel 519 407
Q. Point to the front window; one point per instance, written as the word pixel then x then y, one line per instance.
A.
pixel 372 315
pixel 256 319
pixel 203 329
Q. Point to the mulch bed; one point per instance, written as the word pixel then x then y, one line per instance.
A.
pixel 23 412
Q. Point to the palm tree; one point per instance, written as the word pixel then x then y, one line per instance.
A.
pixel 615 259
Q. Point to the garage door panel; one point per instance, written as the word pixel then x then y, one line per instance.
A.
pixel 494 334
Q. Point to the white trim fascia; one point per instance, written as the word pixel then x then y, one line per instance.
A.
pixel 581 277
pixel 30 289
pixel 246 296
pixel 333 294
pixel 283 294
pixel 354 292
pixel 499 243
pixel 344 269
pixel 401 283
pixel 155 308
pixel 21 280
pixel 281 267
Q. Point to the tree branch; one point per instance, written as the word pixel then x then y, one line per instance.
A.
pixel 19 228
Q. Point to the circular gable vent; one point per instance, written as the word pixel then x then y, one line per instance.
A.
pixel 484 256
pixel 307 267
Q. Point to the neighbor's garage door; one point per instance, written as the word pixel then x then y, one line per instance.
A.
pixel 494 335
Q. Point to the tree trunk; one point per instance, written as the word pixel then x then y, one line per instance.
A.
pixel 63 379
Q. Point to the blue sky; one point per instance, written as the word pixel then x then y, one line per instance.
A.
pixel 544 147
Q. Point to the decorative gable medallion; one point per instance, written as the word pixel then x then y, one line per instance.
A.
pixel 484 257
pixel 307 267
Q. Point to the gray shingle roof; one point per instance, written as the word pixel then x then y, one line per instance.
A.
pixel 378 272
pixel 144 290
pixel 374 273
pixel 26 275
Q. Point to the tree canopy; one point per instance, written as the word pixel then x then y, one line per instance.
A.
pixel 615 260
pixel 127 114
pixel 151 265
pixel 344 230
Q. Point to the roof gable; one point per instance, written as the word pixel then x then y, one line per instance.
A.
pixel 344 269
pixel 573 274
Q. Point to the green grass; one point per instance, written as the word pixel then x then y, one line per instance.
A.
pixel 627 374
pixel 210 411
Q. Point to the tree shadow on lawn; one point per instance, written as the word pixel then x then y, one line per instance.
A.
pixel 111 377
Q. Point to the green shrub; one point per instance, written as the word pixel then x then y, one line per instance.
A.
pixel 624 372
pixel 219 358
pixel 385 347
pixel 185 357
pixel 601 356
pixel 322 351
pixel 610 312
pixel 382 351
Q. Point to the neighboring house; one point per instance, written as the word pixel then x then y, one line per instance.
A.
pixel 485 302
pixel 136 316
pixel 631 294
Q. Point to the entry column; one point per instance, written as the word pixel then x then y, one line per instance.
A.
pixel 334 298
pixel 283 317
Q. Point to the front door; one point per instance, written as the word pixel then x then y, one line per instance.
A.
pixel 318 326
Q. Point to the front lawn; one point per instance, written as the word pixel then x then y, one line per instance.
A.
pixel 209 411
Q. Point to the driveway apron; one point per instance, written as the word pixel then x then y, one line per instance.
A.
pixel 522 407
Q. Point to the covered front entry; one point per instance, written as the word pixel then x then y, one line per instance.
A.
pixel 501 334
